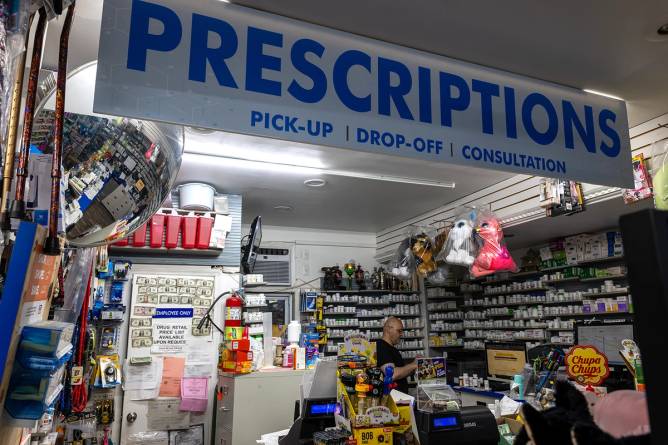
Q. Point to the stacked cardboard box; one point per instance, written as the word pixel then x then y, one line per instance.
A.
pixel 235 355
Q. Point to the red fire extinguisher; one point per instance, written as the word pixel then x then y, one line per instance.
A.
pixel 233 307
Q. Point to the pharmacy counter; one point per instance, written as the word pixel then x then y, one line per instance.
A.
pixel 249 405
pixel 477 397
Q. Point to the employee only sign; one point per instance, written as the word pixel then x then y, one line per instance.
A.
pixel 171 329
pixel 212 64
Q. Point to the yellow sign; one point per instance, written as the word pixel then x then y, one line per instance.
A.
pixel 373 436
pixel 587 365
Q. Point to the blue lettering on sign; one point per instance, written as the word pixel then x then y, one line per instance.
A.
pixel 215 42
pixel 173 313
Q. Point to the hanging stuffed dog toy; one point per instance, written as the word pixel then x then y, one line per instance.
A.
pixel 460 243
pixel 422 248
pixel 493 256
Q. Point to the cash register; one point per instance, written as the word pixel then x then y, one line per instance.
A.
pixel 317 405
pixel 317 415
pixel 439 415
pixel 472 425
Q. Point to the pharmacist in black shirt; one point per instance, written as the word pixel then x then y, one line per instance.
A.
pixel 388 353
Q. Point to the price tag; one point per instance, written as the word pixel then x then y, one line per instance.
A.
pixel 77 376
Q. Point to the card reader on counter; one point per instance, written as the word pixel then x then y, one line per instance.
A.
pixel 473 425
pixel 317 415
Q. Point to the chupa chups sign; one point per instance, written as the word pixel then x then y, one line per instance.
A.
pixel 587 365
pixel 212 64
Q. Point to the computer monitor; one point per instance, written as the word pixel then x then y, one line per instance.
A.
pixel 504 360
pixel 607 336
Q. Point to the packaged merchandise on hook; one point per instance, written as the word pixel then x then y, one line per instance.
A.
pixel 403 264
pixel 422 247
pixel 493 255
pixel 460 246
pixel 660 173
pixel 440 275
pixel 14 19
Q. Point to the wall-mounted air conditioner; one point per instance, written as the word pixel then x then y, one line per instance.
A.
pixel 274 265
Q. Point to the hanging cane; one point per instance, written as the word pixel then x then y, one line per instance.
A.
pixel 12 131
pixel 19 206
pixel 52 243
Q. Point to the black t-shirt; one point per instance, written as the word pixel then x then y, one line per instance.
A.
pixel 387 353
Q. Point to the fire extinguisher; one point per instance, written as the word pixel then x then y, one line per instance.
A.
pixel 233 308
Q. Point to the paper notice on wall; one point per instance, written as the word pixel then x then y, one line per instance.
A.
pixel 196 355
pixel 172 328
pixel 198 370
pixel 194 395
pixel 172 373
pixel 192 436
pixel 149 438
pixel 144 376
pixel 164 414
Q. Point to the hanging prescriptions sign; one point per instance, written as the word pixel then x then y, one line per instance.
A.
pixel 217 65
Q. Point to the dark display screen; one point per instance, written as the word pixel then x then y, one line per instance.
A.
pixel 323 409
pixel 443 422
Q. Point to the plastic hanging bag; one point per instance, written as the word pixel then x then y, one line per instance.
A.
pixel 660 173
pixel 403 265
pixel 422 248
pixel 440 276
pixel 460 246
pixel 493 255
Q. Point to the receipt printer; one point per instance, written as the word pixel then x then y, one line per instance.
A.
pixel 473 425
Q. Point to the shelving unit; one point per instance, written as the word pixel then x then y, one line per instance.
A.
pixel 362 309
pixel 568 284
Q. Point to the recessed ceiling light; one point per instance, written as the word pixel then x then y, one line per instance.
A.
pixel 315 182
pixel 663 30
pixel 283 208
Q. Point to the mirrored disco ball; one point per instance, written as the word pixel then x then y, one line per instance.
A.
pixel 116 171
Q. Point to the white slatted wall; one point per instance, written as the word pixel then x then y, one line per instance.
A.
pixel 515 200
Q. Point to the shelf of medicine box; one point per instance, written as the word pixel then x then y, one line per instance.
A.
pixel 372 316
pixel 516 291
pixel 442 286
pixel 600 260
pixel 474 338
pixel 340 302
pixel 373 304
pixel 563 280
pixel 370 291
pixel 530 303
pixel 324 314
pixel 411 349
pixel 444 297
pixel 445 346
pixel 514 277
pixel 453 309
pixel 406 302
pixel 410 336
pixel 438 331
pixel 506 328
pixel 606 294
pixel 561 343
pixel 609 277
pixel 345 326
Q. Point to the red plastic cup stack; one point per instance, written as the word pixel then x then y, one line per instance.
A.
pixel 173 229
pixel 157 228
pixel 189 232
pixel 139 237
pixel 204 227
